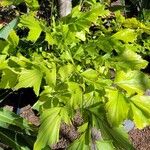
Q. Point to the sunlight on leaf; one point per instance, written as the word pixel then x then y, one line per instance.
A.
pixel 126 35
pixel 8 79
pixel 49 129
pixel 30 78
pixel 117 107
pixel 132 81
pixel 33 25
pixel 141 110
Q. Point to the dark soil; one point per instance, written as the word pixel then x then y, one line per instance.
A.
pixel 140 138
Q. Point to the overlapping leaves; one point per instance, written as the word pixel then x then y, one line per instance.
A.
pixel 74 73
pixel 49 130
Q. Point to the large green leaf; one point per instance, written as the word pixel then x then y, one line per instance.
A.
pixel 90 74
pixel 49 71
pixel 76 94
pixel 4 46
pixel 126 35
pixel 130 59
pixel 45 96
pixel 30 78
pixel 132 81
pixel 65 71
pixel 13 39
pixel 11 43
pixel 3 62
pixel 135 24
pixel 141 110
pixel 5 31
pixel 8 79
pixel 50 125
pixel 33 25
pixel 117 107
pixel 83 20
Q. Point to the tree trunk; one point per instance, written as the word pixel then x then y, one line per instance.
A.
pixel 65 7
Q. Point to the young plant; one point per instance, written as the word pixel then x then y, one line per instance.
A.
pixel 91 65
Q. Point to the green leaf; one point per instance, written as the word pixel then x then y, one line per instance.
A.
pixel 8 79
pixel 132 81
pixel 81 35
pixel 130 59
pixel 33 25
pixel 104 145
pixel 49 73
pixel 79 54
pixel 13 39
pixel 139 118
pixel 117 107
pixel 76 94
pixel 126 35
pixel 103 41
pixel 65 71
pixel 11 43
pixel 50 125
pixel 49 129
pixel 45 96
pixel 141 110
pixel 135 24
pixel 90 74
pixel 49 38
pixel 33 4
pixel 83 20
pixel 4 46
pixel 30 78
pixel 6 30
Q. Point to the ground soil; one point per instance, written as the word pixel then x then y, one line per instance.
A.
pixel 140 138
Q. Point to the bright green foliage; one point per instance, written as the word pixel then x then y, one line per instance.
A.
pixel 30 78
pixel 49 130
pixel 8 79
pixel 65 71
pixel 132 81
pixel 140 109
pixel 126 35
pixel 34 26
pixel 73 67
pixel 117 107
